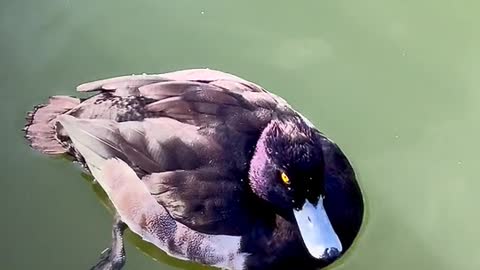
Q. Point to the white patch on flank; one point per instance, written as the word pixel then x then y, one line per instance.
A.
pixel 145 216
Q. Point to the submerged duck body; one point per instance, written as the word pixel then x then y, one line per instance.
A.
pixel 208 167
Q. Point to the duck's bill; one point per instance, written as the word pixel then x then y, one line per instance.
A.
pixel 317 232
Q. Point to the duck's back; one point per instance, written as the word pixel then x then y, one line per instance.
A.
pixel 196 108
pixel 188 135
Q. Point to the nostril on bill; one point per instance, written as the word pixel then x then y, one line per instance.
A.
pixel 331 253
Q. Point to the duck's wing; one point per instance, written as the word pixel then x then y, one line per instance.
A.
pixel 199 96
pixel 187 172
pixel 169 115
pixel 190 140
pixel 145 217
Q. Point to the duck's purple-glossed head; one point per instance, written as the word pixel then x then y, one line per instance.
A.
pixel 287 171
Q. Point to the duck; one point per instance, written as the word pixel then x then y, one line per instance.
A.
pixel 209 168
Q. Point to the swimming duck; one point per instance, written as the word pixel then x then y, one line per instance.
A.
pixel 209 168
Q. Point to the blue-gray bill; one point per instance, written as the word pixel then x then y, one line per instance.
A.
pixel 317 232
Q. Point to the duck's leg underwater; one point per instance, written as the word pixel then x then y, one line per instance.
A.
pixel 113 258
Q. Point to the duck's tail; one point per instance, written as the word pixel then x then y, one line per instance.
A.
pixel 40 128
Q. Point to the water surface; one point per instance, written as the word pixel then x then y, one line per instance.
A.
pixel 395 83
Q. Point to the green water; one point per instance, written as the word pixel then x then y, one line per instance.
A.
pixel 395 83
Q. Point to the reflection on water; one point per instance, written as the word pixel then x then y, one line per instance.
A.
pixel 395 84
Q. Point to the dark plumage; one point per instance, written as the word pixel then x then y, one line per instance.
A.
pixel 208 167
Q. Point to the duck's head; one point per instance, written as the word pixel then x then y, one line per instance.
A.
pixel 287 171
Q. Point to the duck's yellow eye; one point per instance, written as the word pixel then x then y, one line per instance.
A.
pixel 285 178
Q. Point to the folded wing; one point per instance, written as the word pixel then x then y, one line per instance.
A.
pixel 188 135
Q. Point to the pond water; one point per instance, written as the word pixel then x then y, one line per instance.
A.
pixel 395 83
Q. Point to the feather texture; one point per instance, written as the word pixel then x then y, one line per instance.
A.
pixel 178 130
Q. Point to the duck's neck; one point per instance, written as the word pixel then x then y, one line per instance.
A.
pixel 258 170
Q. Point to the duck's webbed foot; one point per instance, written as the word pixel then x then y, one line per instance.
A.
pixel 113 258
